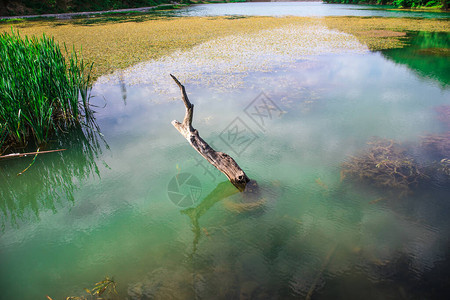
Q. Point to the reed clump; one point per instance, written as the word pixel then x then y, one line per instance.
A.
pixel 384 164
pixel 42 92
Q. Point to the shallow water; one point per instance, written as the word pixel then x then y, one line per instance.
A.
pixel 107 207
pixel 302 9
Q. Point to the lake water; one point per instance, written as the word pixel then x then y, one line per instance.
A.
pixel 111 205
pixel 303 9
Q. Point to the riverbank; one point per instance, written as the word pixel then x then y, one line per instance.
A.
pixel 71 15
pixel 403 5
pixel 384 33
pixel 35 7
pixel 123 42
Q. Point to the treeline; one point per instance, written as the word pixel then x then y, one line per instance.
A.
pixel 24 7
pixel 442 4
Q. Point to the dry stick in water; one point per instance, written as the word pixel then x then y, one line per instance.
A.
pixel 223 162
pixel 17 155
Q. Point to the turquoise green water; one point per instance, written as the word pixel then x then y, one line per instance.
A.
pixel 428 55
pixel 102 207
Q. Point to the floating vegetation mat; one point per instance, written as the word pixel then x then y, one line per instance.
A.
pixel 117 45
pixel 224 62
pixel 124 42
pixel 380 33
pixel 384 164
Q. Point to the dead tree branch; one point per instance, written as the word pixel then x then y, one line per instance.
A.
pixel 222 161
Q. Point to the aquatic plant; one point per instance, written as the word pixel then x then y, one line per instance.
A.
pixel 436 150
pixel 384 164
pixel 105 289
pixel 106 286
pixel 437 145
pixel 41 90
pixel 380 33
pixel 443 114
pixel 444 166
pixel 143 37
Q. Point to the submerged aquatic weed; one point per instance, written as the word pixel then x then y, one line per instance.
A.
pixel 106 286
pixel 384 164
pixel 437 145
pixel 39 90
pixel 445 166
pixel 443 114
pixel 105 289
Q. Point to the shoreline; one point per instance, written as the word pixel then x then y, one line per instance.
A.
pixel 176 5
pixel 68 16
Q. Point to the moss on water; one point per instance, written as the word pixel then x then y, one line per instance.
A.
pixel 118 45
pixel 366 29
pixel 224 62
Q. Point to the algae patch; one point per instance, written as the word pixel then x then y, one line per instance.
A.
pixel 224 62
pixel 119 45
pixel 384 33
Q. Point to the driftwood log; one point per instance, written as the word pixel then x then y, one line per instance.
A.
pixel 222 161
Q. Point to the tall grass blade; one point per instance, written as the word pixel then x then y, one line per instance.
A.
pixel 42 91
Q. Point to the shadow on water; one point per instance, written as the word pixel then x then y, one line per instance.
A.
pixel 428 55
pixel 223 190
pixel 52 179
pixel 247 201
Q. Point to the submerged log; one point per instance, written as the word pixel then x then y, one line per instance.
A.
pixel 222 161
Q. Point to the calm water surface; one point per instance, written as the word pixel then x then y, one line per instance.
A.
pixel 303 9
pixel 103 208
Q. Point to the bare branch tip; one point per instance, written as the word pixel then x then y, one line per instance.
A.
pixel 176 80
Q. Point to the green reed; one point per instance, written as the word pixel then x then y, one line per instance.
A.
pixel 41 91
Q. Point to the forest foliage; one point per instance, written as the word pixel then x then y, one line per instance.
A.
pixel 24 7
pixel 439 4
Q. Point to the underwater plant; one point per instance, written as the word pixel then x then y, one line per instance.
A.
pixel 437 148
pixel 103 290
pixel 384 164
pixel 444 166
pixel 437 145
pixel 443 114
